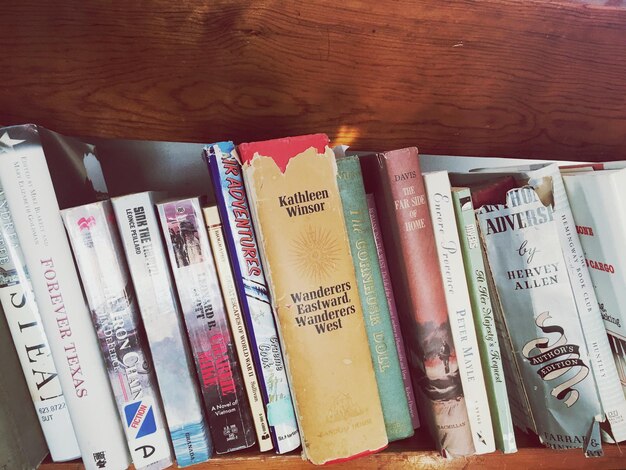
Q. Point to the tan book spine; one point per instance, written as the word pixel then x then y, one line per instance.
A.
pixel 297 212
pixel 237 326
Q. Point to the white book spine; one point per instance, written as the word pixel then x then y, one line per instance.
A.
pixel 150 273
pixel 31 343
pixel 596 203
pixel 67 323
pixel 602 365
pixel 111 298
pixel 438 192
pixel 237 324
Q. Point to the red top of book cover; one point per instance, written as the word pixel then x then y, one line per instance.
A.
pixel 492 192
pixel 283 150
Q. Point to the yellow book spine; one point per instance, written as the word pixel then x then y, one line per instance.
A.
pixel 299 221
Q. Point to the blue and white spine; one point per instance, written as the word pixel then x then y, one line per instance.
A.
pixel 232 203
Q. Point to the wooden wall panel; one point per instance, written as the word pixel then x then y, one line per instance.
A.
pixel 498 78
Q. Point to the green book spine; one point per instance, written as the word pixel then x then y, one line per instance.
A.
pixel 382 344
pixel 484 320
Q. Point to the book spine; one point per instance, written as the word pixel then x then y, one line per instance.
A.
pixel 98 253
pixel 523 248
pixel 438 194
pixel 232 203
pixel 149 270
pixel 31 343
pixel 393 311
pixel 599 231
pixel 482 311
pixel 396 182
pixel 207 327
pixel 602 364
pixel 305 248
pixel 65 317
pixel 521 413
pixel 235 318
pixel 372 294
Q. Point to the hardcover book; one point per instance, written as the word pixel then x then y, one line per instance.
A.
pixel 111 298
pixel 521 412
pixel 531 278
pixel 597 205
pixel 373 301
pixel 150 273
pixel 493 191
pixel 396 182
pixel 305 248
pixel 235 318
pixel 211 342
pixel 232 202
pixel 438 194
pixel 393 311
pixel 484 324
pixel 33 204
pixel 31 343
pixel 589 314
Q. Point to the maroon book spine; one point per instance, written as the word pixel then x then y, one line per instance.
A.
pixel 395 180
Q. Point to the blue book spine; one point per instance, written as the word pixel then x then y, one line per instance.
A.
pixel 384 353
pixel 232 203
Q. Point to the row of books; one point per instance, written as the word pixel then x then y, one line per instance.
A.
pixel 373 292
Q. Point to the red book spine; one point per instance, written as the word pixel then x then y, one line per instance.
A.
pixel 395 180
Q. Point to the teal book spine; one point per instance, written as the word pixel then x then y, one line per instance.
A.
pixel 382 343
pixel 484 320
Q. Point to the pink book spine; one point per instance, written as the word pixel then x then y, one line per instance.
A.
pixel 393 313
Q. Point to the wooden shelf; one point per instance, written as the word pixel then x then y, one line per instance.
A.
pixel 535 78
pixel 412 454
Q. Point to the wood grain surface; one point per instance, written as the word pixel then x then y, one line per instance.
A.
pixel 544 79
pixel 411 459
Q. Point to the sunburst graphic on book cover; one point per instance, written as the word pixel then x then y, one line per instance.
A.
pixel 315 253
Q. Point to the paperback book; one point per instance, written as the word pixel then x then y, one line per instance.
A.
pixel 31 343
pixel 111 298
pixel 211 342
pixel 32 200
pixel 160 313
pixel 305 248
pixel 241 241
pixel 237 325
